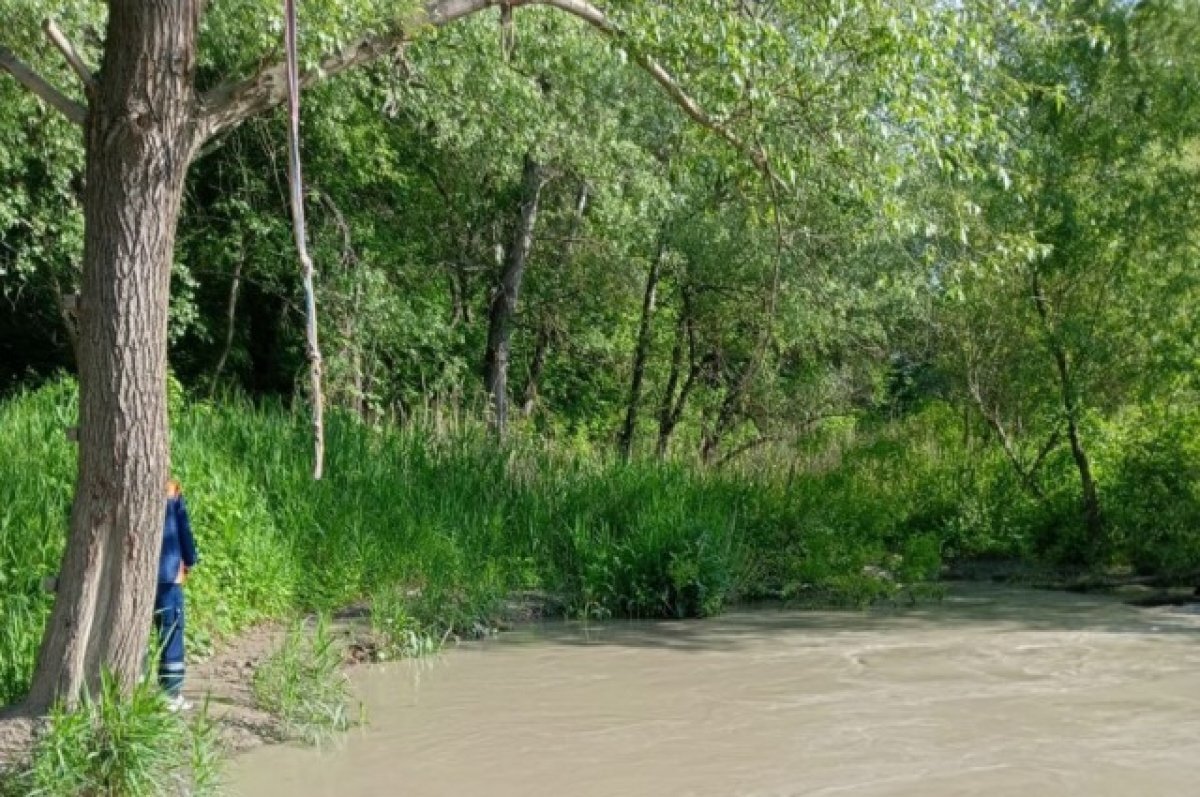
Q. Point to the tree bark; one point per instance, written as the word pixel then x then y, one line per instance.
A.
pixel 138 145
pixel 541 348
pixel 640 354
pixel 504 300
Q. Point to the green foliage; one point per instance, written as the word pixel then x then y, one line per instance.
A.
pixel 302 684
pixel 439 529
pixel 1153 491
pixel 396 630
pixel 36 477
pixel 123 746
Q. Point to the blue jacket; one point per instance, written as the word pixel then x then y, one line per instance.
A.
pixel 177 545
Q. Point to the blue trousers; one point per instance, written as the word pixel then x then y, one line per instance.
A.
pixel 168 621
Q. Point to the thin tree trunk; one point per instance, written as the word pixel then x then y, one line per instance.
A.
pixel 540 349
pixel 300 234
pixel 504 302
pixel 235 287
pixel 671 409
pixel 546 328
pixel 641 352
pixel 138 144
pixel 66 305
pixel 1092 517
pixel 711 439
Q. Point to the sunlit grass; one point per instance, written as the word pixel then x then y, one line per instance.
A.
pixel 458 523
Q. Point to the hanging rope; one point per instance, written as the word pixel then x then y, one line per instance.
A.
pixel 296 184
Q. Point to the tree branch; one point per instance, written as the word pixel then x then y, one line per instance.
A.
pixel 74 60
pixel 38 85
pixel 596 18
pixel 748 446
pixel 228 105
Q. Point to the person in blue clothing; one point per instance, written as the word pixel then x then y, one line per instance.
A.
pixel 178 556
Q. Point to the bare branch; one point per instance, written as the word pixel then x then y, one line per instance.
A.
pixel 71 55
pixel 31 80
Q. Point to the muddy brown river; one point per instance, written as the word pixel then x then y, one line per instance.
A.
pixel 994 691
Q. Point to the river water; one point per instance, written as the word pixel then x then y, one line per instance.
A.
pixel 994 691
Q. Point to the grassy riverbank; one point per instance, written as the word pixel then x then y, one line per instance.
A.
pixel 455 522
pixel 436 526
pixel 441 526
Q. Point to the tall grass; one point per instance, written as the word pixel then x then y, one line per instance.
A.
pixel 301 683
pixel 116 744
pixel 455 523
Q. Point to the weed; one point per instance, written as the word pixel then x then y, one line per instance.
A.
pixel 396 633
pixel 301 683
pixel 120 745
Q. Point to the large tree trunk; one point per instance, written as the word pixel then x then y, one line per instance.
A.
pixel 640 354
pixel 138 142
pixel 504 301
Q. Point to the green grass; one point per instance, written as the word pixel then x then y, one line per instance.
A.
pixel 302 684
pixel 454 523
pixel 114 745
pixel 396 630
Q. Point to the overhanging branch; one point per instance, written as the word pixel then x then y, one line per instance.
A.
pixel 41 87
pixel 228 105
pixel 688 104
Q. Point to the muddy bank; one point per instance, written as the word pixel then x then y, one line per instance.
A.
pixel 994 691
